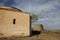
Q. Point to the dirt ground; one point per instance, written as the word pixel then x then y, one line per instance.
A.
pixel 44 35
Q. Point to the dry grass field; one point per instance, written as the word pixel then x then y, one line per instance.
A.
pixel 44 35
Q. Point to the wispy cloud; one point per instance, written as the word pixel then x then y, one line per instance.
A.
pixel 38 6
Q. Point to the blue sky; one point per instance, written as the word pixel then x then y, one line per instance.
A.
pixel 48 11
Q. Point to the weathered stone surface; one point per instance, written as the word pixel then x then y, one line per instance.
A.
pixel 38 27
pixel 14 23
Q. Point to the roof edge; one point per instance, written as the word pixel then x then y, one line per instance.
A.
pixel 10 8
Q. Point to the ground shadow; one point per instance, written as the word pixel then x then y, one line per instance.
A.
pixel 33 33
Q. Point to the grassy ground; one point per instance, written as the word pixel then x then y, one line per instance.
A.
pixel 44 35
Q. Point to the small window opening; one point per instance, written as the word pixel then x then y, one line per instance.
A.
pixel 14 21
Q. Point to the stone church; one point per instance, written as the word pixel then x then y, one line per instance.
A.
pixel 14 22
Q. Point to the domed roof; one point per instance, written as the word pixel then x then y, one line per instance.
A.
pixel 10 8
